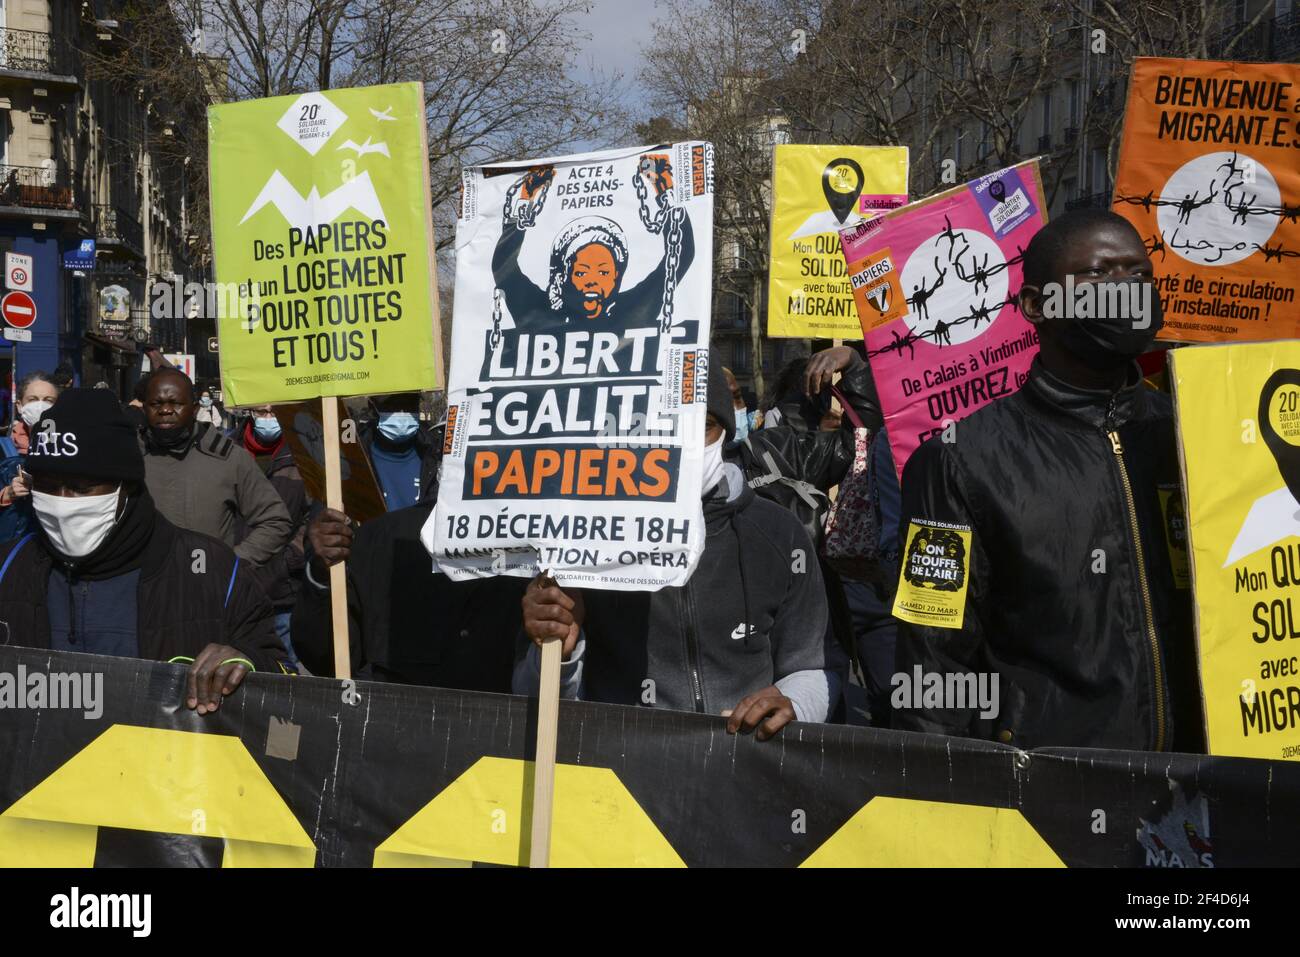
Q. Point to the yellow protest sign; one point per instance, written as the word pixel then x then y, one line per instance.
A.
pixel 817 191
pixel 1239 437
pixel 934 575
pixel 323 245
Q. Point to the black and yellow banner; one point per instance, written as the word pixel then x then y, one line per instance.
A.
pixel 101 764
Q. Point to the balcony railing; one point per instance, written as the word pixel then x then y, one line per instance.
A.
pixel 1284 38
pixel 114 225
pixel 33 51
pixel 1045 143
pixel 36 186
pixel 1276 39
pixel 1071 135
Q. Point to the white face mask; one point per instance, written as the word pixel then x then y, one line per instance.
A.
pixel 31 413
pixel 713 464
pixel 76 525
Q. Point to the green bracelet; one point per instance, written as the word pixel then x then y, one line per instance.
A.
pixel 180 658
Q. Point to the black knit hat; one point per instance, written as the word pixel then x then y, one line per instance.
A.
pixel 721 403
pixel 85 433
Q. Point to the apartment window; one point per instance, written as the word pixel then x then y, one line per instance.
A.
pixel 984 142
pixel 1098 179
pixel 1047 111
pixel 959 144
pixel 739 355
pixel 1076 103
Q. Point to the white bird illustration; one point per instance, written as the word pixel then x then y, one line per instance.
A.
pixel 363 148
pixel 382 116
pixel 312 209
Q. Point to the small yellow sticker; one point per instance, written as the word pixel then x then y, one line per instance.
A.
pixel 932 581
pixel 1171 509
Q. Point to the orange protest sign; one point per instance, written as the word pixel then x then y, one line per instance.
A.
pixel 877 290
pixel 1209 173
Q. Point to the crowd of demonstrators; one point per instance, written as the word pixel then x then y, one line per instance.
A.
pixel 106 573
pixel 100 546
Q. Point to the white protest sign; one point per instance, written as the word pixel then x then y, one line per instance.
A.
pixel 577 393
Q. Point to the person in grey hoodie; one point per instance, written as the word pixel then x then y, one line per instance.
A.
pixel 745 637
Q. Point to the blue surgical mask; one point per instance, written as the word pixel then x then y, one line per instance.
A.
pixel 268 430
pixel 398 426
pixel 742 426
pixel 205 401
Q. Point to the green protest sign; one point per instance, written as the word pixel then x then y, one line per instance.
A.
pixel 323 242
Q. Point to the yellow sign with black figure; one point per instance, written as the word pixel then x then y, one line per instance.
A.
pixel 1239 405
pixel 817 191
pixel 936 571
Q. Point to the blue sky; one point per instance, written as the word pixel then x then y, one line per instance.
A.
pixel 619 29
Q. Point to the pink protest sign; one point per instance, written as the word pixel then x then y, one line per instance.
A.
pixel 935 285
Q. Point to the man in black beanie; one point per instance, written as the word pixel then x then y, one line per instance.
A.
pixel 108 575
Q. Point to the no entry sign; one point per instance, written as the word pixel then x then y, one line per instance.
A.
pixel 18 309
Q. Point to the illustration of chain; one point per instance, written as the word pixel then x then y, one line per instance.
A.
pixel 495 339
pixel 669 221
pixel 527 216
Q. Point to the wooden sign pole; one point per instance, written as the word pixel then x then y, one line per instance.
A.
pixel 338 572
pixel 548 716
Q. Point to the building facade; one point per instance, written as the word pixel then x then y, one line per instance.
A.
pixel 89 190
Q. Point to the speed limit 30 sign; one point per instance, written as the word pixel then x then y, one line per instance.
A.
pixel 18 272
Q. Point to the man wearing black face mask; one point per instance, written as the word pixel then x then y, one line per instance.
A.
pixel 1035 546
pixel 202 481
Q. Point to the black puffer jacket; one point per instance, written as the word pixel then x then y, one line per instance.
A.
pixel 192 592
pixel 795 468
pixel 1071 598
